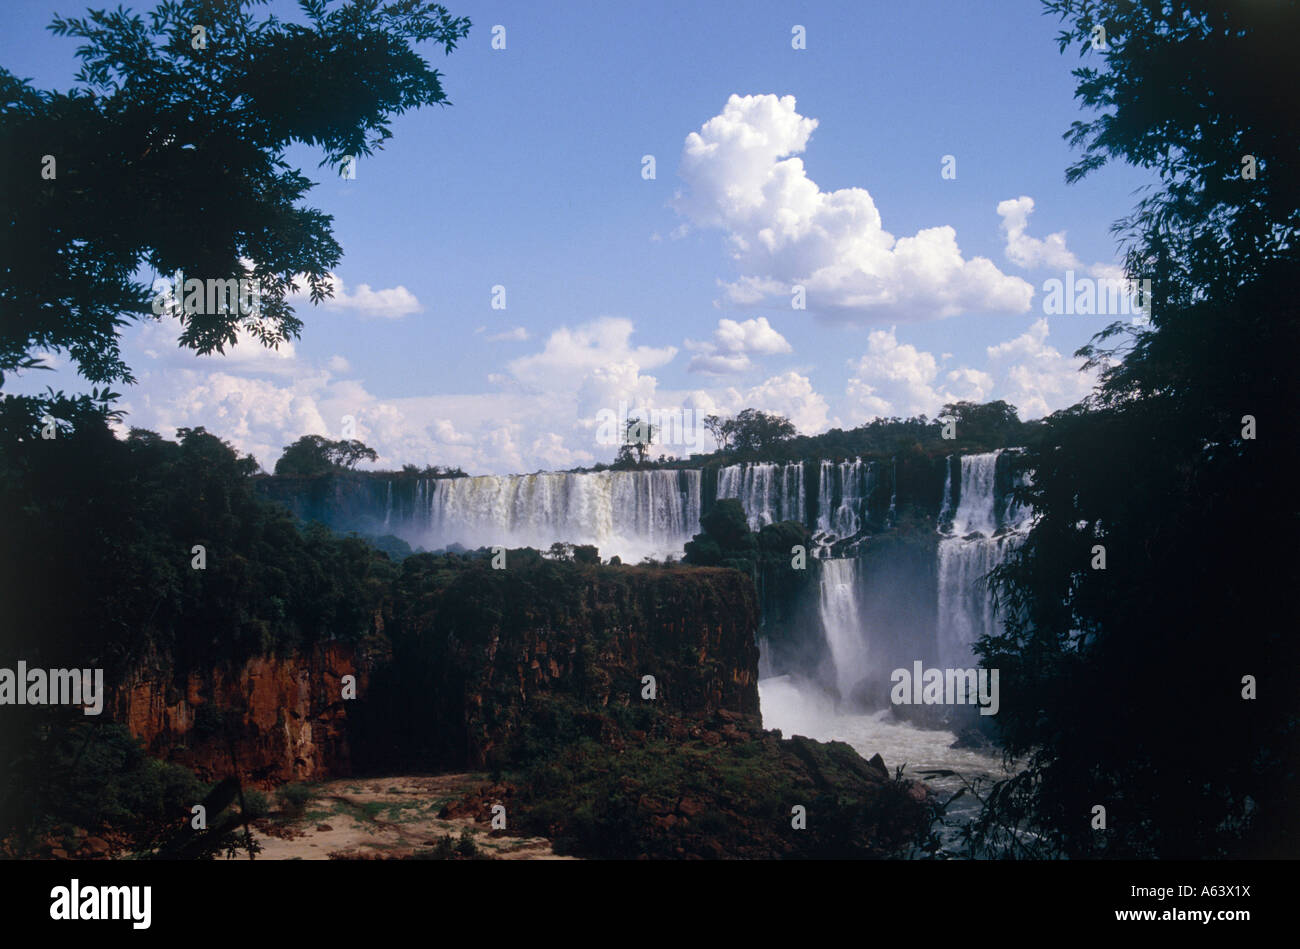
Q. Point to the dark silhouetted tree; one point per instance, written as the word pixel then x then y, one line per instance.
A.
pixel 1124 686
pixel 170 156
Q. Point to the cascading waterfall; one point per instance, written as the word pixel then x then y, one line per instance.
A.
pixel 977 501
pixel 979 526
pixel 768 492
pixel 825 496
pixel 971 549
pixel 632 514
pixel 843 491
pixel 842 623
pixel 945 509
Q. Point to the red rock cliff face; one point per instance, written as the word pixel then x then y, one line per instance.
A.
pixel 286 714
pixel 474 658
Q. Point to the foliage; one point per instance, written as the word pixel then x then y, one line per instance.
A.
pixel 1157 467
pixel 295 797
pixel 637 438
pixel 171 156
pixel 980 427
pixel 97 561
pixel 85 774
pixel 752 430
pixel 724 535
pixel 447 848
pixel 313 455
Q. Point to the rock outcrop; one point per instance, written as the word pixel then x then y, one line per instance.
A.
pixel 540 652
pixel 271 719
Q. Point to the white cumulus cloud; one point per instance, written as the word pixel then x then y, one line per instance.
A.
pixel 1036 377
pixel 898 379
pixel 744 178
pixel 391 303
pixel 893 378
pixel 1031 252
pixel 733 343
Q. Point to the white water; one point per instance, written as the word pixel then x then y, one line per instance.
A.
pixel 802 711
pixel 945 509
pixel 842 623
pixel 854 480
pixel 767 491
pixel 632 514
pixel 965 604
pixel 893 494
pixel 978 501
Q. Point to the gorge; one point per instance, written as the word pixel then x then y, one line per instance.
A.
pixel 899 549
pixel 533 674
pixel 887 593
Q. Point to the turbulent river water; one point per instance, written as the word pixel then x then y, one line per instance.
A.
pixel 804 711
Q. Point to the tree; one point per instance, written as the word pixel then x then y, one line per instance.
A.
pixel 314 455
pixel 724 535
pixel 720 428
pixel 171 157
pixel 637 437
pixel 988 423
pixel 1131 681
pixel 639 434
pixel 753 430
pixel 347 453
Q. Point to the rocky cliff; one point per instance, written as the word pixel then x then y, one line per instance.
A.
pixel 616 706
pixel 452 682
pixel 272 719
pixel 484 658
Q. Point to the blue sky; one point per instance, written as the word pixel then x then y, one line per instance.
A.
pixel 616 286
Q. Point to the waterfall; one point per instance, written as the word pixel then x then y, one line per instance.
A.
pixel 842 493
pixel 965 604
pixel 825 496
pixel 945 509
pixel 977 499
pixel 768 492
pixel 842 624
pixel 893 492
pixel 629 513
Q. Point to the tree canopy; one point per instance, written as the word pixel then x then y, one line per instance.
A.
pixel 753 430
pixel 314 455
pixel 170 156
